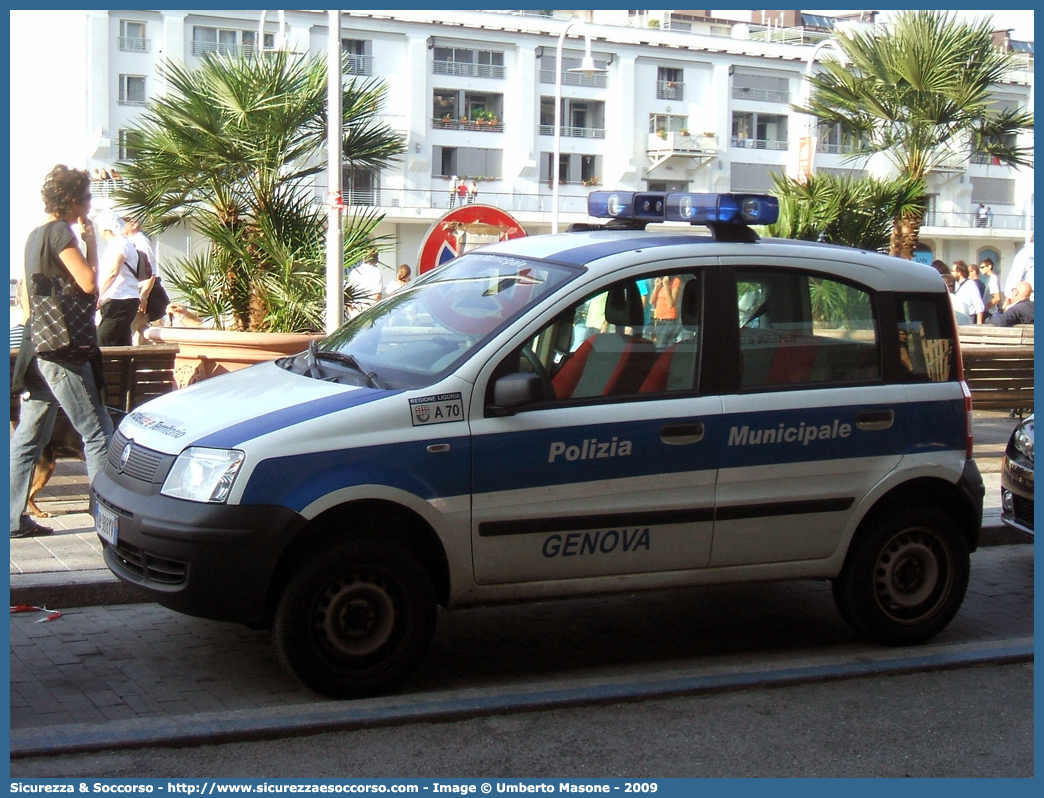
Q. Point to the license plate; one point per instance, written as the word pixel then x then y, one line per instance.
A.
pixel 107 524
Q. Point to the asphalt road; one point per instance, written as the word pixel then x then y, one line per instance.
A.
pixel 969 723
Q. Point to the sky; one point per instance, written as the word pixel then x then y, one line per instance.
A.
pixel 56 136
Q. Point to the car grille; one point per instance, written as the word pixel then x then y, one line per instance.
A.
pixel 148 566
pixel 142 464
pixel 1024 511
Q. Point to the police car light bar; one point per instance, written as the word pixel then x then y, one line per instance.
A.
pixel 660 206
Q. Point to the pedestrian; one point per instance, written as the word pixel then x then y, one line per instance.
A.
pixel 148 281
pixel 973 275
pixel 980 215
pixel 1021 269
pixel 1018 309
pixel 462 191
pixel 120 299
pixel 967 299
pixel 993 299
pixel 67 377
pixel 989 216
pixel 940 266
pixel 402 277
pixel 473 192
pixel 453 191
pixel 664 302
pixel 364 285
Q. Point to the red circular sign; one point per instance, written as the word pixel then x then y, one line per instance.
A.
pixel 463 229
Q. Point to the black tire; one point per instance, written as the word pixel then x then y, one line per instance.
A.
pixel 905 577
pixel 356 619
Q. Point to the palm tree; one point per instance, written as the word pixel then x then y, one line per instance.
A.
pixel 840 209
pixel 232 148
pixel 920 96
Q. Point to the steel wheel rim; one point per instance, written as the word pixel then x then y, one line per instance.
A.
pixel 355 616
pixel 912 574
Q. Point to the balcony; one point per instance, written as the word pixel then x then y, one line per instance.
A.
pixel 758 144
pixel 574 132
pixel 596 81
pixel 670 90
pixel 359 65
pixel 666 145
pixel 134 44
pixel 475 125
pixel 202 48
pixel 467 70
pixel 760 95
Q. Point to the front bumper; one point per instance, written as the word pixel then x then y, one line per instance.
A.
pixel 209 560
pixel 1017 494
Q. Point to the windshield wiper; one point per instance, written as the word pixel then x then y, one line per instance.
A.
pixel 351 362
pixel 314 371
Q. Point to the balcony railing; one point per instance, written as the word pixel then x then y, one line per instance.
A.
pixel 670 90
pixel 760 95
pixel 838 149
pixel 201 48
pixel 758 144
pixel 134 44
pixel 673 141
pixel 479 126
pixel 359 65
pixel 574 132
pixel 467 70
pixel 596 81
pixel 131 101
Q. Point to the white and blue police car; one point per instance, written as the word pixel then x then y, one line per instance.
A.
pixel 610 409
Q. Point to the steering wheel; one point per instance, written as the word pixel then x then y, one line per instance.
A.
pixel 540 370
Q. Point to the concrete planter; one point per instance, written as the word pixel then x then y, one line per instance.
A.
pixel 204 353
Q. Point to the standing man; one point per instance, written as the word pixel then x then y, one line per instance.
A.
pixel 966 296
pixel 980 215
pixel 993 299
pixel 364 285
pixel 453 191
pixel 1021 269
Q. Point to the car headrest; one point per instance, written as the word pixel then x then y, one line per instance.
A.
pixel 623 306
pixel 690 304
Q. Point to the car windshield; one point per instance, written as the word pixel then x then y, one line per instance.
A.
pixel 427 328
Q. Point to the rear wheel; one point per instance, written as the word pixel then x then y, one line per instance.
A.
pixel 905 578
pixel 356 619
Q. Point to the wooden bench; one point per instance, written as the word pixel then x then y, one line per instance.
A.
pixel 988 335
pixel 134 374
pixel 1000 377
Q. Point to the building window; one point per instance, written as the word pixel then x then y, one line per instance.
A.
pixel 132 37
pixel 128 140
pixel 132 90
pixel 573 167
pixel 358 56
pixel 467 63
pixel 669 123
pixel 670 84
pixel 471 162
pixel 250 41
pixel 763 88
pixel 360 186
pixel 759 131
pixel 580 118
pixel 215 40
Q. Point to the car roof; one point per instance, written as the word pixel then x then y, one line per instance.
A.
pixel 608 250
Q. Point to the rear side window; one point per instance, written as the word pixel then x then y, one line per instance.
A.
pixel 926 339
pixel 804 329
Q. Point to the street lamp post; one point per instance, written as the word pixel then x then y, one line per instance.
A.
pixel 334 201
pixel 586 67
pixel 806 165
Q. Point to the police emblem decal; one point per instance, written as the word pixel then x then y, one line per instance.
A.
pixel 439 409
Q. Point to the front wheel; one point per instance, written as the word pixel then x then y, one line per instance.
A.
pixel 905 578
pixel 356 619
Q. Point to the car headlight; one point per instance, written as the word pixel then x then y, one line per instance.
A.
pixel 203 475
pixel 1022 440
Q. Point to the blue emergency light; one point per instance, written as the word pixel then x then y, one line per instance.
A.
pixel 661 206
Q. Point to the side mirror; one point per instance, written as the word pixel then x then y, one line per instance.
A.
pixel 513 391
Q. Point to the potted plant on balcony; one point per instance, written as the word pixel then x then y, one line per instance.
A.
pixel 684 131
pixel 217 153
pixel 662 134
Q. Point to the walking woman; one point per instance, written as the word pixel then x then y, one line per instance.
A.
pixel 65 343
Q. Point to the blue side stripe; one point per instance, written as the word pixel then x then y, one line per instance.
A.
pixel 250 428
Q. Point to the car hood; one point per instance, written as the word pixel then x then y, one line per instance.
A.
pixel 250 402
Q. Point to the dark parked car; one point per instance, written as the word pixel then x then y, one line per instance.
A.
pixel 1017 478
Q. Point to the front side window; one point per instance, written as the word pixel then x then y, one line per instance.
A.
pixel 639 336
pixel 423 331
pixel 132 90
pixel 804 329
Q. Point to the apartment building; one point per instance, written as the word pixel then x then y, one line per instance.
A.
pixel 683 102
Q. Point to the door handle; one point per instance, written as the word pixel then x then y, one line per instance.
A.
pixel 870 420
pixel 682 434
